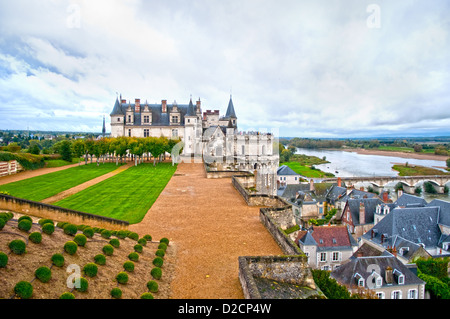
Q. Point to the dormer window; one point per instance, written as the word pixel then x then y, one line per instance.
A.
pixel 400 277
pixel 359 280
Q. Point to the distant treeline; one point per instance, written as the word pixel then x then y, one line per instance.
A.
pixel 312 143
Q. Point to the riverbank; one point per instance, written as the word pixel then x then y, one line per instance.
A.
pixel 420 156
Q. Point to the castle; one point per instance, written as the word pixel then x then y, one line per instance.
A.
pixel 213 138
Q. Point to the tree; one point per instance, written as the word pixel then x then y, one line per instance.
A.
pixel 66 151
pixel 78 149
pixel 89 148
pixel 34 148
pixel 417 148
pixel 448 163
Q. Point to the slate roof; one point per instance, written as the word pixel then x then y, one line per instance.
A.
pixel 363 266
pixel 327 238
pixel 230 110
pixel 444 211
pixel 370 206
pixel 418 225
pixel 286 170
pixel 335 193
pixel 407 200
pixel 158 117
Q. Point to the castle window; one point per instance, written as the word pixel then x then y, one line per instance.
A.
pixel 146 119
pixel 174 119
pixel 146 132
pixel 174 133
pixel 118 119
pixel 129 133
pixel 129 118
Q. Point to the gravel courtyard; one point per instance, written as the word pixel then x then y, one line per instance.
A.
pixel 210 226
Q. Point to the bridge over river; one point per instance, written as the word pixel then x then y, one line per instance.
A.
pixel 409 183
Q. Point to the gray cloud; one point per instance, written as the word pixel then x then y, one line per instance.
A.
pixel 307 68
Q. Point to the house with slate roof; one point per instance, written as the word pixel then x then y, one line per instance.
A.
pixel 358 214
pixel 326 247
pixel 286 176
pixel 413 231
pixel 385 275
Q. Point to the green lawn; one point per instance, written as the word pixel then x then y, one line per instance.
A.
pixel 416 170
pixel 60 162
pixel 126 196
pixel 306 171
pixel 44 186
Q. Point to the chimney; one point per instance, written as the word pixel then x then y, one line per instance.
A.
pixel 399 193
pixel 339 181
pixel 362 213
pixel 388 275
pixel 123 101
pixel 385 197
pixel 311 185
pixel 164 106
pixel 198 106
pixel 137 105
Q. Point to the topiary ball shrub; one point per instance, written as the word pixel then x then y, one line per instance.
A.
pixel 122 234
pixel 61 224
pixel 18 247
pixel 100 259
pixel 158 262
pixel 147 237
pixel 48 228
pixel 2 223
pixel 83 285
pixel 115 243
pixel 25 225
pixel 80 239
pixel 58 260
pixel 6 216
pixel 3 259
pixel 44 274
pixel 67 295
pixel 23 289
pixel 142 241
pixel 35 237
pixel 152 286
pixel 24 217
pixel 162 246
pixel 88 232
pixel 147 295
pixel 133 256
pixel 133 236
pixel 138 248
pixel 164 240
pixel 44 221
pixel 156 273
pixel 122 278
pixel 70 247
pixel 160 253
pixel 90 269
pixel 116 293
pixel 106 234
pixel 128 266
pixel 70 229
pixel 108 250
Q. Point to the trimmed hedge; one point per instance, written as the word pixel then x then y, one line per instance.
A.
pixel 84 285
pixel 133 256
pixel 152 286
pixel 48 228
pixel 116 293
pixel 70 247
pixel 90 269
pixel 58 260
pixel 108 250
pixel 44 274
pixel 100 259
pixel 28 161
pixel 128 266
pixel 158 262
pixel 70 229
pixel 35 237
pixel 88 232
pixel 23 289
pixel 160 253
pixel 3 259
pixel 18 247
pixel 67 295
pixel 122 278
pixel 156 273
pixel 25 225
pixel 138 248
pixel 80 239
pixel 115 243
pixel 2 223
pixel 147 295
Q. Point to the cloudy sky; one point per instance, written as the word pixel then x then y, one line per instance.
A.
pixel 305 68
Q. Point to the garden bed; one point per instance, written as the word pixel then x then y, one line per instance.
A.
pixel 22 267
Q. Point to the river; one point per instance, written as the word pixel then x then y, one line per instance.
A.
pixel 349 164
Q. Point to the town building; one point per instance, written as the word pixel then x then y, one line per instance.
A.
pixel 326 247
pixel 384 275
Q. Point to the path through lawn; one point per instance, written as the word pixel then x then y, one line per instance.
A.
pixel 40 187
pixel 126 196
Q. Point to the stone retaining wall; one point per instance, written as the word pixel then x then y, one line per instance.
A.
pixel 41 210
